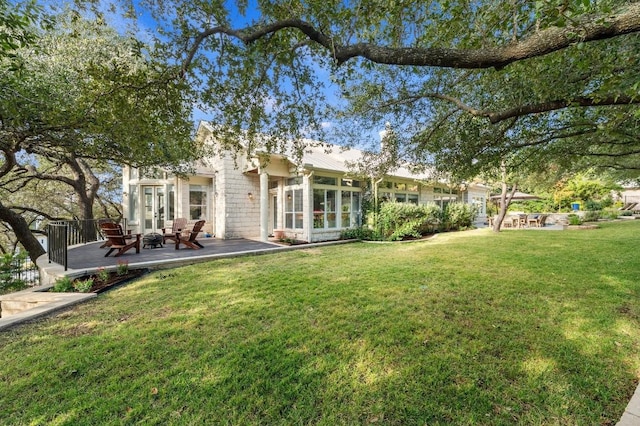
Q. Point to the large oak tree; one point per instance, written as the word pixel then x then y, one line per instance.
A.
pixel 85 96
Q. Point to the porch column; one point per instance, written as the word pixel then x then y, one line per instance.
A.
pixel 264 206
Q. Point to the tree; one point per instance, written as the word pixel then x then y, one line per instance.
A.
pixel 374 166
pixel 260 71
pixel 87 97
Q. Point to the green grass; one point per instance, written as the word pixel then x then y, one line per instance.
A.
pixel 523 327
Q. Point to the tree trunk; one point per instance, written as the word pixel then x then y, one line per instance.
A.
pixel 505 199
pixel 22 232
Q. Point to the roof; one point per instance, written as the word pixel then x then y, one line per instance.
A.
pixel 333 158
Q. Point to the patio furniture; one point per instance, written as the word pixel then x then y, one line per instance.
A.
pixel 153 240
pixel 538 221
pixel 190 240
pixel 112 225
pixel 118 241
pixel 179 225
pixel 522 220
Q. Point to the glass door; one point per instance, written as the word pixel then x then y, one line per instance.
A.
pixel 154 209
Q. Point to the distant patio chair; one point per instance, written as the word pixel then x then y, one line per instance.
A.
pixel 179 225
pixel 190 240
pixel 538 221
pixel 118 241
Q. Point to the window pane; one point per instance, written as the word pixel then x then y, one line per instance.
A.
pixel 133 202
pixel 331 200
pixel 355 208
pixel 350 182
pixel 318 200
pixel 346 201
pixel 195 212
pixel 412 198
pixel 331 220
pixel 289 201
pixel 401 198
pixel 297 198
pixel 171 199
pixel 324 180
pixel 288 222
pixel 318 208
pixel 346 219
pixel 298 220
pixel 401 186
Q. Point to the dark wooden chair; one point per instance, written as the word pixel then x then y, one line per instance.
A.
pixel 117 240
pixel 112 225
pixel 190 240
pixel 179 224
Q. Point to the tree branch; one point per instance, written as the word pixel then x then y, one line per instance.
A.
pixel 540 43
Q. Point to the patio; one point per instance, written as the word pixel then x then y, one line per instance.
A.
pixel 91 256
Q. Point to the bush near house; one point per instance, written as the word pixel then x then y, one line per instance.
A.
pixel 458 216
pixel 397 221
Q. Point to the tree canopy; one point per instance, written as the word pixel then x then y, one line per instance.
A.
pixel 83 99
pixel 560 74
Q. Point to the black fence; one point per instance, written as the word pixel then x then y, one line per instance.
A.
pixel 65 233
pixel 18 269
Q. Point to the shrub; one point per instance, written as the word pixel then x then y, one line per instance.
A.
pixel 103 274
pixel 9 266
pixel 626 213
pixel 62 285
pixel 360 233
pixel 401 220
pixel 591 216
pixel 574 219
pixel 459 216
pixel 123 267
pixel 83 286
pixel 610 213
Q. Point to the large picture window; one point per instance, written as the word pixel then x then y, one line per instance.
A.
pixel 197 202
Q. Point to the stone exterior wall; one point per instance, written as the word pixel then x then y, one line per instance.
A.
pixel 236 215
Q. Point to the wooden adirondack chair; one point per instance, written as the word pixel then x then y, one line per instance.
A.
pixel 179 224
pixel 117 240
pixel 190 240
pixel 112 225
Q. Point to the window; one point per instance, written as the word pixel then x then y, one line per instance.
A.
pixel 479 202
pixel 324 208
pixel 412 198
pixel 293 217
pixel 294 181
pixel 171 201
pixel 350 182
pixel 324 180
pixel 134 202
pixel 197 202
pixel 350 209
pixel 152 173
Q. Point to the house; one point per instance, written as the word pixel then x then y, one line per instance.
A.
pixel 241 197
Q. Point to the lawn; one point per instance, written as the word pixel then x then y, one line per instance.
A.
pixel 522 327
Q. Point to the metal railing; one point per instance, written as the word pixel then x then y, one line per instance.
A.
pixel 65 233
pixel 17 268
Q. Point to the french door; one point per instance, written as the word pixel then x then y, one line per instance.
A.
pixel 154 208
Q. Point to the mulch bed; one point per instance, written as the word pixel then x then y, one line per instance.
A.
pixel 113 280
